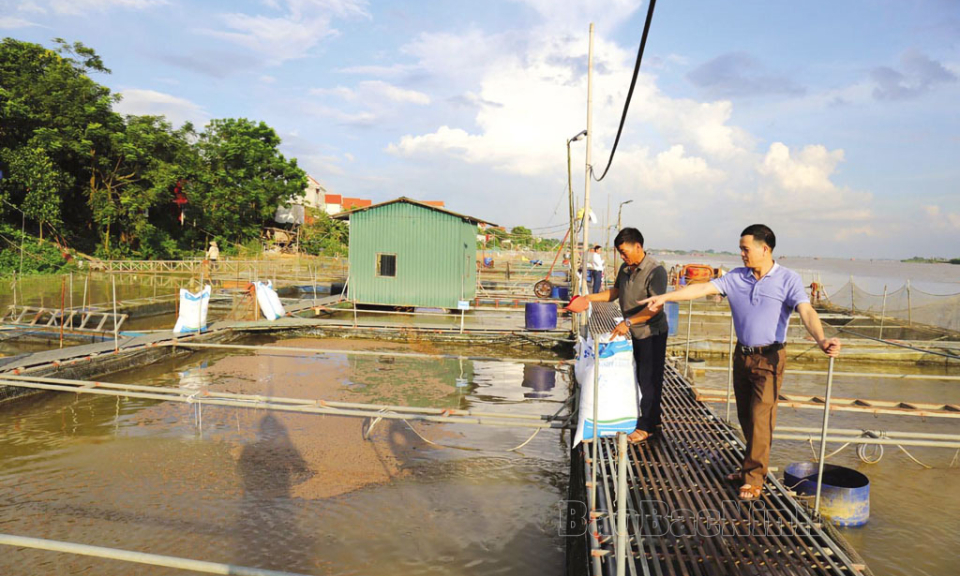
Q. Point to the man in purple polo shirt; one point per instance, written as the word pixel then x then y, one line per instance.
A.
pixel 762 295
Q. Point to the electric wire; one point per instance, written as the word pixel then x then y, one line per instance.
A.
pixel 633 83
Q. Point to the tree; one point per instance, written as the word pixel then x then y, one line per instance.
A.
pixel 242 178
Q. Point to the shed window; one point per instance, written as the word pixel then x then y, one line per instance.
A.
pixel 387 265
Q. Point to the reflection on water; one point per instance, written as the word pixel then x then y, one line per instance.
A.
pixel 136 474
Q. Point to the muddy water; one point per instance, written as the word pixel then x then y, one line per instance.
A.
pixel 913 528
pixel 290 491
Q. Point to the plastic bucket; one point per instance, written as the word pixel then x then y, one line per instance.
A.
pixel 844 496
pixel 672 310
pixel 560 293
pixel 540 316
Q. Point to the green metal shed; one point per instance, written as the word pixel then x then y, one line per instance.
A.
pixel 407 253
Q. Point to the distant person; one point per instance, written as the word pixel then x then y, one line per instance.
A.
pixel 640 277
pixel 595 266
pixel 762 296
pixel 816 292
pixel 213 254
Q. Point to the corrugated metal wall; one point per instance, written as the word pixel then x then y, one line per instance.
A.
pixel 436 257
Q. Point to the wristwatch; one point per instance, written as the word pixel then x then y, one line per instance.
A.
pixel 628 322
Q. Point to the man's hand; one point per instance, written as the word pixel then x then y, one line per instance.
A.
pixel 621 330
pixel 654 303
pixel 830 346
pixel 578 304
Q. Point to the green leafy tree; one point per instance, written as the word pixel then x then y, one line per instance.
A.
pixel 324 235
pixel 242 178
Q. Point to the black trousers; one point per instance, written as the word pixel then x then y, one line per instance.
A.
pixel 650 355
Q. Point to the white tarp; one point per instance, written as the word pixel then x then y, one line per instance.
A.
pixel 268 301
pixel 617 410
pixel 193 310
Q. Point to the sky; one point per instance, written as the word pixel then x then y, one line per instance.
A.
pixel 835 123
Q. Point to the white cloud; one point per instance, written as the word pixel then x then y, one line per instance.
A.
pixel 374 92
pixel 267 79
pixel 799 184
pixel 10 23
pixel 301 27
pixel 150 102
pixel 940 219
pixel 83 7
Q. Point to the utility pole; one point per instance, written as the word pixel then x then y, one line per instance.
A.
pixel 573 218
pixel 588 176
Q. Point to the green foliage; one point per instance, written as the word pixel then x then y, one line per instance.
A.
pixel 324 235
pixel 38 257
pixel 242 179
pixel 104 182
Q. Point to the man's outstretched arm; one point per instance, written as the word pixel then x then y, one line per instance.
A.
pixel 691 292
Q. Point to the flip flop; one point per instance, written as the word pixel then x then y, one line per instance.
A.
pixel 638 436
pixel 748 492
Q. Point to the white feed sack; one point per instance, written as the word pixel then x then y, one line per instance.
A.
pixel 193 310
pixel 617 387
pixel 268 301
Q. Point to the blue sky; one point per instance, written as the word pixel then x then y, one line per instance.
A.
pixel 835 123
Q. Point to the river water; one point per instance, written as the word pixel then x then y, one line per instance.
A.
pixel 286 491
pixel 307 494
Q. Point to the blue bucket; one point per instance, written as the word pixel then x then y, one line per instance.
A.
pixel 844 496
pixel 540 316
pixel 672 310
pixel 560 293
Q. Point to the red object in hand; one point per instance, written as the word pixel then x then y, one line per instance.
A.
pixel 578 304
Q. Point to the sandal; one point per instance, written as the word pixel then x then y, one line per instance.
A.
pixel 638 436
pixel 748 492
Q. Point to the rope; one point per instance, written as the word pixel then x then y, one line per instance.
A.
pixel 861 451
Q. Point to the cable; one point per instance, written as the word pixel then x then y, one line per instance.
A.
pixel 633 83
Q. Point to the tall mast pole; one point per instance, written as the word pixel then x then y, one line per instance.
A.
pixel 588 176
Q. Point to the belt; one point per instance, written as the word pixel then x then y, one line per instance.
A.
pixel 760 349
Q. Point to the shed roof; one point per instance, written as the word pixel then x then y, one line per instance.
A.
pixel 404 199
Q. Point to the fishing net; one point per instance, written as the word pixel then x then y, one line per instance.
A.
pixel 907 304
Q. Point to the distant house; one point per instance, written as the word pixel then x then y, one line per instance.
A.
pixel 315 196
pixel 409 253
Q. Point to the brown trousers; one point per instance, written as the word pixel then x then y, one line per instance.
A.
pixel 757 379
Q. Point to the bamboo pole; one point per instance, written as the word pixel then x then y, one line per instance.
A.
pixel 883 311
pixel 823 435
pixel 116 331
pixel 136 557
pixel 729 368
pixel 312 351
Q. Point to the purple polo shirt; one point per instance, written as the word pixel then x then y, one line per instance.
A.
pixel 762 308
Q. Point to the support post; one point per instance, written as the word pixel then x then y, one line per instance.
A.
pixel 116 331
pixel 909 306
pixel 587 166
pixel 622 501
pixel 596 425
pixel 314 286
pixel 853 305
pixel 686 354
pixel 63 288
pixel 823 435
pixel 729 367
pixel 883 311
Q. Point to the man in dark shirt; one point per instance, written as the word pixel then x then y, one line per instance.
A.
pixel 640 277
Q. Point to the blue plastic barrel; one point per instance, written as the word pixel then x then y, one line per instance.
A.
pixel 560 293
pixel 540 380
pixel 844 496
pixel 672 310
pixel 540 316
